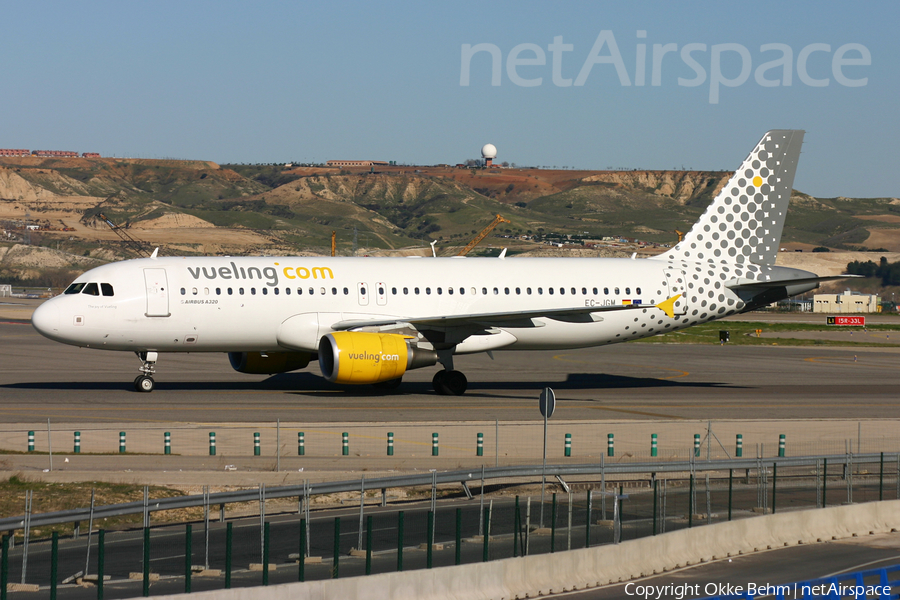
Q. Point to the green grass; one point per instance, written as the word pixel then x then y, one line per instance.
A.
pixel 744 334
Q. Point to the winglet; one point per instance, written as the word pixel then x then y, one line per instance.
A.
pixel 668 306
pixel 155 253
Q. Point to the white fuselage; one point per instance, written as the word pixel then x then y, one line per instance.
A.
pixel 209 304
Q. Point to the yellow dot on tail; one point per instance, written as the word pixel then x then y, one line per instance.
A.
pixel 757 181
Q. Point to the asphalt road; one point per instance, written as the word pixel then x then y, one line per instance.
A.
pixel 40 379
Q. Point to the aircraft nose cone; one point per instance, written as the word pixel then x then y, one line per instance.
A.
pixel 46 319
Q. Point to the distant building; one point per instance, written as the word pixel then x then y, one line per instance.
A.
pixel 90 155
pixel 13 152
pixel 847 302
pixel 54 153
pixel 357 163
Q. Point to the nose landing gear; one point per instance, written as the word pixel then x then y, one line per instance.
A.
pixel 144 382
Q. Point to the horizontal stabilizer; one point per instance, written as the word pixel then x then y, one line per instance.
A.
pixel 758 285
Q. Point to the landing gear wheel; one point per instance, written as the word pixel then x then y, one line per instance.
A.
pixel 450 383
pixel 438 383
pixel 390 384
pixel 144 384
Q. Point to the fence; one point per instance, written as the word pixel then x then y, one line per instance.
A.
pixel 601 507
pixel 466 443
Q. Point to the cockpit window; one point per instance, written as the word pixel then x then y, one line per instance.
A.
pixel 91 289
pixel 74 288
pixel 107 289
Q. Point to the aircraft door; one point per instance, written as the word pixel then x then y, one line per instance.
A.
pixel 363 293
pixel 157 293
pixel 381 291
pixel 676 280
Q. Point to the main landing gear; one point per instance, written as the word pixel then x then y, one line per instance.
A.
pixel 144 382
pixel 450 383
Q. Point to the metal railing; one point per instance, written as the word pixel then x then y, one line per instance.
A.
pixel 463 477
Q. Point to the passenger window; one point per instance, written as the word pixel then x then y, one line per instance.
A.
pixel 346 292
pixel 91 289
pixel 449 290
pixel 506 291
pixel 405 291
pixel 540 291
pixel 74 288
pixel 528 291
pixel 416 290
pixel 241 291
pixel 265 291
pixel 183 291
pixel 229 291
pixel 583 291
pixel 562 291
pixel 277 291
pixel 617 291
pixel 194 291
pixel 550 290
pixel 253 291
pixel 573 291
pixel 299 291
pixel 638 291
pixel 428 291
pixel 218 291
pixel 322 291
pixel 362 291
pixel 107 289
pixel 440 291
pixel 287 291
pixel 628 291
pixel 334 291
pixel 206 291
pixel 380 291
pixel 606 291
pixel 312 291
pixel 473 290
pixel 595 291
pixel 518 291
pixel 394 291
pixel 496 291
pixel 462 291
pixel 484 291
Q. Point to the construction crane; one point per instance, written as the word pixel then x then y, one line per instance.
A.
pixel 130 241
pixel 484 232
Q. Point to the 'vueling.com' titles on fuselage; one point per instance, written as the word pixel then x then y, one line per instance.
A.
pixel 270 274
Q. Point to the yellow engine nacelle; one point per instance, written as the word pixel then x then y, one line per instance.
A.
pixel 353 357
pixel 258 363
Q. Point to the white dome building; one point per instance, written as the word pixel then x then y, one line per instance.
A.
pixel 488 153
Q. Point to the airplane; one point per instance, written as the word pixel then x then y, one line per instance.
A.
pixel 369 320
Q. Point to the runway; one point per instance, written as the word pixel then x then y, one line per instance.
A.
pixel 40 379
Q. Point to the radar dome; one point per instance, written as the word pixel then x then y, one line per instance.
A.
pixel 489 151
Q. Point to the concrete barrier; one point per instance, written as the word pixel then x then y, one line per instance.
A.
pixel 579 569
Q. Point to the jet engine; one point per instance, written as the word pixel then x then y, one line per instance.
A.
pixel 354 357
pixel 267 363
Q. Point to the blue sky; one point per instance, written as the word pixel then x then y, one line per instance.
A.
pixel 309 81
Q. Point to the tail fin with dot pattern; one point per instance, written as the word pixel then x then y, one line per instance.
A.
pixel 744 222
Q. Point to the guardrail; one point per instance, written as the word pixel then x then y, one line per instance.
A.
pixel 463 477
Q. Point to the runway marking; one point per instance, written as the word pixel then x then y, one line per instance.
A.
pixel 681 373
pixel 831 360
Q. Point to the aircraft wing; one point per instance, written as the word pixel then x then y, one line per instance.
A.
pixel 506 319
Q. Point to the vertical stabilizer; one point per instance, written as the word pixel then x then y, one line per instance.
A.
pixel 744 222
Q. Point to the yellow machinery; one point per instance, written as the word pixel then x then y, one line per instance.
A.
pixel 484 232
